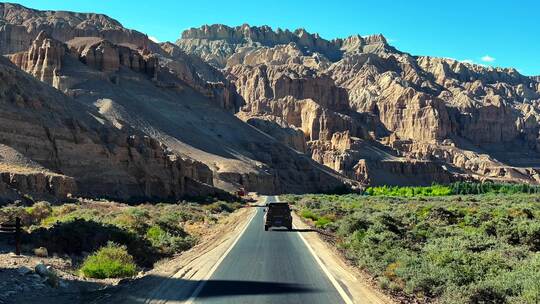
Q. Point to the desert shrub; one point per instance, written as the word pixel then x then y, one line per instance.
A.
pixel 221 206
pixel 352 224
pixel 79 235
pixel 155 234
pixel 168 242
pixel 323 222
pixel 447 249
pixel 308 214
pixel 133 218
pixel 10 213
pixel 172 223
pixel 39 211
pixel 148 231
pixel 32 215
pixel 110 261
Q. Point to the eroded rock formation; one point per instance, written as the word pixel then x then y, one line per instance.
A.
pixel 158 119
pixel 19 26
pixel 108 57
pixel 170 121
pixel 79 153
pixel 43 60
pixel 363 89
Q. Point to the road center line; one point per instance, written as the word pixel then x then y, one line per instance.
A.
pixel 199 288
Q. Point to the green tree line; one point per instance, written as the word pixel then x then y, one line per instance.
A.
pixel 452 189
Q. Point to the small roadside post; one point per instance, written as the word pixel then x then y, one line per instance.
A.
pixel 16 230
pixel 18 236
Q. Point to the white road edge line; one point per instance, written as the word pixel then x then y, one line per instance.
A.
pixel 338 287
pixel 199 288
pixel 333 280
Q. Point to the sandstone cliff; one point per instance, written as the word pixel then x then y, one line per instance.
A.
pixel 365 88
pixel 180 101
pixel 217 43
pixel 221 106
pixel 62 147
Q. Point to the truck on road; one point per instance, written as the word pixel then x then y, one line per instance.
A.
pixel 278 214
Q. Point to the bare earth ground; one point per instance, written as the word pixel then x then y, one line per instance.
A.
pixel 20 284
pixel 356 284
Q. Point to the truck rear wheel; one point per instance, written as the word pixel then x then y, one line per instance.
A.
pixel 265 228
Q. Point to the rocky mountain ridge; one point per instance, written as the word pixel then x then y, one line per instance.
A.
pixel 20 26
pixel 470 121
pixel 173 109
pixel 272 111
pixel 216 43
pixel 66 148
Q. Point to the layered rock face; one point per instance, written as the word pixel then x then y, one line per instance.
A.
pixel 270 111
pixel 284 133
pixel 20 25
pixel 377 95
pixel 21 178
pixel 43 60
pixel 178 108
pixel 215 43
pixel 108 57
pixel 61 146
pixel 200 76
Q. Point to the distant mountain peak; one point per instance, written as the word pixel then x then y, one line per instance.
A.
pixel 218 36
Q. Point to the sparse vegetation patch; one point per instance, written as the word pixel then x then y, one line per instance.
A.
pixel 119 237
pixel 447 249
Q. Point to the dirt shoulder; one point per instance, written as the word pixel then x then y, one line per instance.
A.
pixel 173 281
pixel 356 284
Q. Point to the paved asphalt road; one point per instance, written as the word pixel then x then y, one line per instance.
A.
pixel 269 267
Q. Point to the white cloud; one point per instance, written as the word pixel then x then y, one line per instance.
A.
pixel 153 39
pixel 487 58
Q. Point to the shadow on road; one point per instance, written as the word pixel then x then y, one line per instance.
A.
pixel 219 288
pixel 159 288
pixel 293 230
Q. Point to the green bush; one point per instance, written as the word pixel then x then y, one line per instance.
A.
pixel 441 249
pixel 39 211
pixel 148 231
pixel 10 213
pixel 322 222
pixel 134 219
pixel 434 190
pixel 168 242
pixel 308 214
pixel 111 261
pixel 222 206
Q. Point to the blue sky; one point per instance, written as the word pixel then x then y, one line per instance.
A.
pixel 496 32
